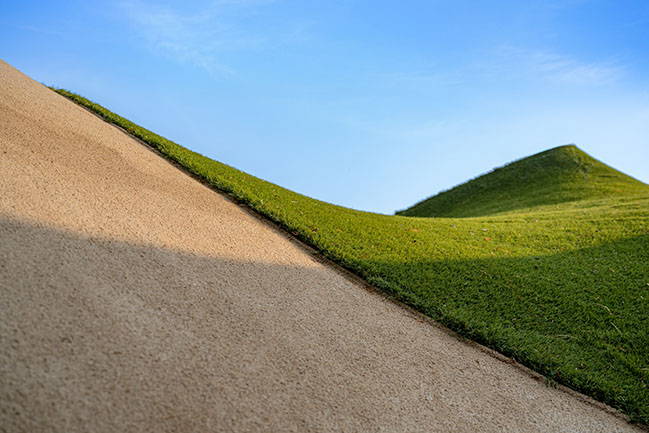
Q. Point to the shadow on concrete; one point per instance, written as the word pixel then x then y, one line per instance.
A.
pixel 100 334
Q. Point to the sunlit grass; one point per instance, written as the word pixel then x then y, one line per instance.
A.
pixel 560 175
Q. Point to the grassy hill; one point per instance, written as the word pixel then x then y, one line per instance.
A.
pixel 562 288
pixel 558 175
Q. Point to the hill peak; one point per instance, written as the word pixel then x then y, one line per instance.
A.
pixel 561 174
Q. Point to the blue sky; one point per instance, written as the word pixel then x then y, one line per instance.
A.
pixel 373 105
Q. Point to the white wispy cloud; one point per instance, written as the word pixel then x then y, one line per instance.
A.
pixel 555 67
pixel 505 64
pixel 196 38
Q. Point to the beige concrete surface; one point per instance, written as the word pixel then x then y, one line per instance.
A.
pixel 135 299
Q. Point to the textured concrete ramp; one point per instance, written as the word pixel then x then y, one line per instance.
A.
pixel 133 298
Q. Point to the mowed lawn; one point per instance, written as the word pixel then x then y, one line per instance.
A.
pixel 556 277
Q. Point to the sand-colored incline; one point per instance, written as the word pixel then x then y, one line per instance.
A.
pixel 133 298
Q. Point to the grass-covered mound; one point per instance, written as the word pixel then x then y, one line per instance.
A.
pixel 562 288
pixel 557 175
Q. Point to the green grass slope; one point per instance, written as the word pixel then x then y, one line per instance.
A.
pixel 557 175
pixel 562 288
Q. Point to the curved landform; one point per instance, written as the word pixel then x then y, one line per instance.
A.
pixel 561 175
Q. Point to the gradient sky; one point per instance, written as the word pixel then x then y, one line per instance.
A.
pixel 373 105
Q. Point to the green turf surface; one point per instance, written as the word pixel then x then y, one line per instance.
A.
pixel 558 175
pixel 558 281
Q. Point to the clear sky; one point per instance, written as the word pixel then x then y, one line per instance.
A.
pixel 370 104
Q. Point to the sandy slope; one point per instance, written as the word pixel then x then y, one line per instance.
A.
pixel 133 298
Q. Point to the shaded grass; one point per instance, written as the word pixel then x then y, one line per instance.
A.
pixel 569 315
pixel 562 287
